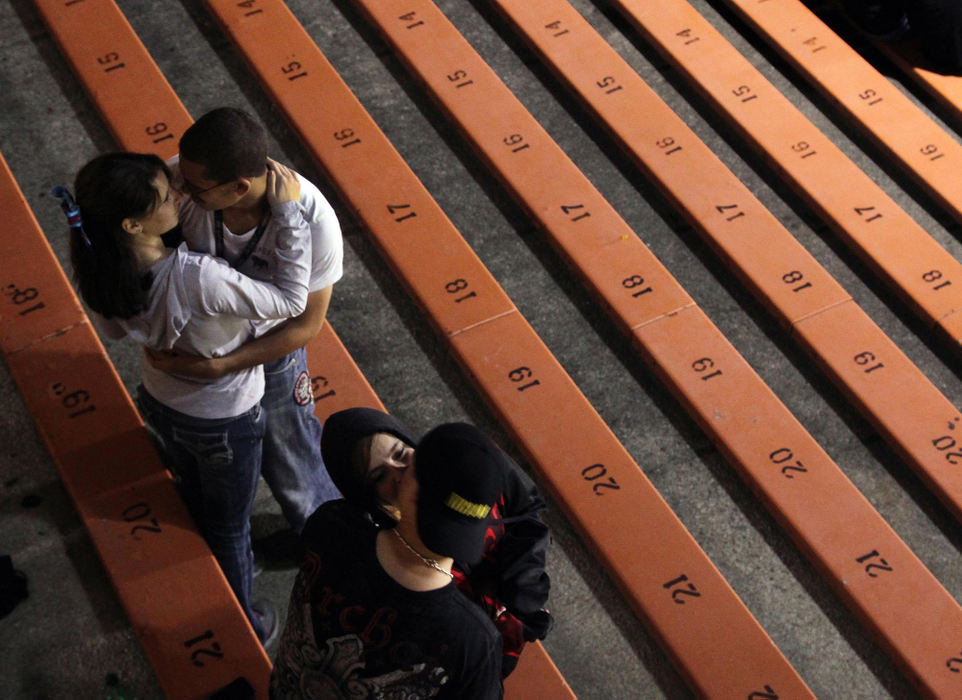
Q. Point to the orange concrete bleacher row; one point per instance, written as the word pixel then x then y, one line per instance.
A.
pixel 945 89
pixel 521 379
pixel 118 72
pixel 413 17
pixel 663 573
pixel 865 364
pixel 179 603
pixel 909 136
pixel 890 242
pixel 723 393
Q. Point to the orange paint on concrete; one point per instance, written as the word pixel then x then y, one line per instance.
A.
pixel 930 156
pixel 36 299
pixel 901 402
pixel 117 71
pixel 611 473
pixel 533 169
pixel 897 248
pixel 337 382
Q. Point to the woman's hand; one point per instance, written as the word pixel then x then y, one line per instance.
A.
pixel 283 184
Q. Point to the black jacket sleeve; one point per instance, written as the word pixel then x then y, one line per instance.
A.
pixel 521 583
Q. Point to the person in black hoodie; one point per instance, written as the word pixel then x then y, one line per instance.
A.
pixel 367 452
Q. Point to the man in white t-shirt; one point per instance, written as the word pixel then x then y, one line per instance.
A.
pixel 222 167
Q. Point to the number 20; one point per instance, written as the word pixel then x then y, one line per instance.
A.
pixel 595 472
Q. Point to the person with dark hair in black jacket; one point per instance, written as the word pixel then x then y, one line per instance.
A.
pixel 367 452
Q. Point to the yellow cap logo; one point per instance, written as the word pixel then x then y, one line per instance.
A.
pixel 466 507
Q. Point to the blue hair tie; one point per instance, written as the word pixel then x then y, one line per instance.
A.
pixel 71 210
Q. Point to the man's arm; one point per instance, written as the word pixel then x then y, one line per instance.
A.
pixel 275 344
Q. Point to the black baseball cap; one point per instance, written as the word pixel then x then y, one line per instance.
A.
pixel 459 479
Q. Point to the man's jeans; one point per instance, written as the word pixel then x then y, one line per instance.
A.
pixel 217 463
pixel 292 465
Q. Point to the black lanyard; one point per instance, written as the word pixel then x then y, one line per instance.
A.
pixel 251 244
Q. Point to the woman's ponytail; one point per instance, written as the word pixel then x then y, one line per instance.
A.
pixel 109 189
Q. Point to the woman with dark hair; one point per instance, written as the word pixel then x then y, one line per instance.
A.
pixel 209 433
pixel 367 454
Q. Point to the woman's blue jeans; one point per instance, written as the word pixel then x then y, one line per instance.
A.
pixel 216 463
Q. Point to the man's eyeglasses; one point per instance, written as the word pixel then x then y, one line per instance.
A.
pixel 187 187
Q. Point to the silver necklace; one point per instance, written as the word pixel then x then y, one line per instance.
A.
pixel 433 563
